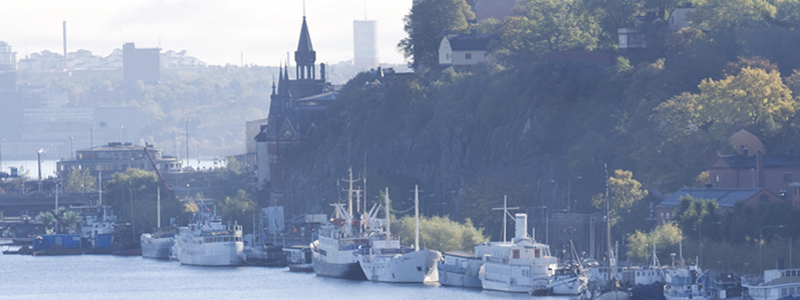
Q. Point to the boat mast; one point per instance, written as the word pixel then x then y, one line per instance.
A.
pixel 158 206
pixel 388 220
pixel 416 217
pixel 505 209
pixel 611 259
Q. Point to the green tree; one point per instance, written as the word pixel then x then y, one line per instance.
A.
pixel 624 192
pixel 80 181
pixel 612 15
pixel 439 233
pixel 640 244
pixel 239 208
pixel 425 24
pixel 737 15
pixel 541 26
pixel 692 212
pixel 133 196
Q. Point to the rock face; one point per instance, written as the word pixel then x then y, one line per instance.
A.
pixel 451 136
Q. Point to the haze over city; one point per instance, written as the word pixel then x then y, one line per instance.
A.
pixel 217 33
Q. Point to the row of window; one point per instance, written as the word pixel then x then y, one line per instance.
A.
pixel 787 177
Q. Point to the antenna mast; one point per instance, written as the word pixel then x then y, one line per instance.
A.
pixel 505 210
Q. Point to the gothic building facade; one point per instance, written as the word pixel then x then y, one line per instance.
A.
pixel 297 106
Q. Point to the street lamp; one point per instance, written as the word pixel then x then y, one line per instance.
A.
pixel 569 193
pixel 700 241
pixel 761 243
pixel 547 225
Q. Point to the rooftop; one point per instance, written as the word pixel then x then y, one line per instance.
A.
pixel 724 197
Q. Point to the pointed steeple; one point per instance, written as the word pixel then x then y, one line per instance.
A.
pixel 305 56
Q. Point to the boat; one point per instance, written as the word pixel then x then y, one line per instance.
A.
pixel 335 252
pixel 209 242
pixel 157 244
pixel 687 283
pixel 570 278
pixel 386 261
pixel 647 282
pixel 521 265
pixel 773 284
pixel 298 258
pixel 460 269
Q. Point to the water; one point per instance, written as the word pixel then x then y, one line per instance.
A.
pixel 110 277
pixel 31 167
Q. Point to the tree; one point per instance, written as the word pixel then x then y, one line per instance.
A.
pixel 424 26
pixel 624 192
pixel 640 244
pixel 542 26
pixel 439 233
pixel 133 193
pixel 735 15
pixel 239 208
pixel 80 181
pixel 612 15
pixel 692 212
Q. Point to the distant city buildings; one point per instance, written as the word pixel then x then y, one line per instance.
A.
pixel 8 76
pixel 118 157
pixel 140 64
pixel 365 44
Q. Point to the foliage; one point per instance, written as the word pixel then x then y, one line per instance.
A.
pixel 425 24
pixel 239 208
pixel 624 192
pixel 133 196
pixel 612 15
pixel 80 181
pixel 691 213
pixel 439 233
pixel 63 216
pixel 231 179
pixel 640 244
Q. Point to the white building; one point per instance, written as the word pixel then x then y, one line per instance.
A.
pixel 679 18
pixel 463 49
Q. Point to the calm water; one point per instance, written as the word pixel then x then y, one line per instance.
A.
pixel 110 277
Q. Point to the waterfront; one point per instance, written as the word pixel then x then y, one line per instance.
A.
pixel 111 277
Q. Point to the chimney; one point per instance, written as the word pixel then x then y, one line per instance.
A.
pixel 521 226
pixel 760 168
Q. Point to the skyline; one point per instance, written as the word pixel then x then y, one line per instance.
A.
pixel 260 32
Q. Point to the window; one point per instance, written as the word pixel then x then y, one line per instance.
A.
pixel 716 178
pixel 468 55
pixel 515 253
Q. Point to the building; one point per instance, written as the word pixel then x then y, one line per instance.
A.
pixel 8 66
pixel 365 44
pixel 725 197
pixel 140 64
pixel 297 106
pixel 679 18
pixel 118 157
pixel 463 49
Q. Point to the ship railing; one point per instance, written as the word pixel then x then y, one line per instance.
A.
pixel 752 280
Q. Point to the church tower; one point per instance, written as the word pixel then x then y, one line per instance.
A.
pixel 305 56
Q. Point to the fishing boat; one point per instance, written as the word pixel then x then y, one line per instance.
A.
pixel 158 243
pixel 687 283
pixel 521 265
pixel 386 261
pixel 773 284
pixel 299 258
pixel 647 282
pixel 568 280
pixel 335 252
pixel 209 242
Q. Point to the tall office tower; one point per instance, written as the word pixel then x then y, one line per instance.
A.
pixel 365 44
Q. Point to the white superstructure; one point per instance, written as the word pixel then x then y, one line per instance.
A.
pixel 773 285
pixel 685 284
pixel 516 266
pixel 208 242
pixel 387 261
pixel 158 244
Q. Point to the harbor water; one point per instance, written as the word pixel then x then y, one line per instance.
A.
pixel 111 277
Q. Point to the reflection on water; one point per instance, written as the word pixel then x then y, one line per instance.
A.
pixel 111 277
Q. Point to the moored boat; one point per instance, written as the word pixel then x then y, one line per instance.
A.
pixel 209 242
pixel 773 284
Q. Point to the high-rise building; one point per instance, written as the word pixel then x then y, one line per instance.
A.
pixel 140 64
pixel 365 44
pixel 8 75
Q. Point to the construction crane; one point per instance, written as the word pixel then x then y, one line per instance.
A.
pixel 158 172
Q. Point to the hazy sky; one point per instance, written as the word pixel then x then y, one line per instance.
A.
pixel 212 30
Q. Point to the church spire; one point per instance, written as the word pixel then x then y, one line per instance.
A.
pixel 305 56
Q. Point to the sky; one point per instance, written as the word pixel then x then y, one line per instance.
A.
pixel 216 32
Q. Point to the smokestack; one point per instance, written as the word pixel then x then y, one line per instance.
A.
pixel 521 226
pixel 64 25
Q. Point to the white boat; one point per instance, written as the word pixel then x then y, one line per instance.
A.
pixel 157 244
pixel 460 269
pixel 387 261
pixel 520 266
pixel 209 242
pixel 299 258
pixel 569 280
pixel 773 285
pixel 686 284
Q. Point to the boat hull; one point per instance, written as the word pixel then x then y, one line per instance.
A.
pixel 568 286
pixel 211 254
pixel 412 267
pixel 157 248
pixel 614 295
pixel 462 273
pixel 346 270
